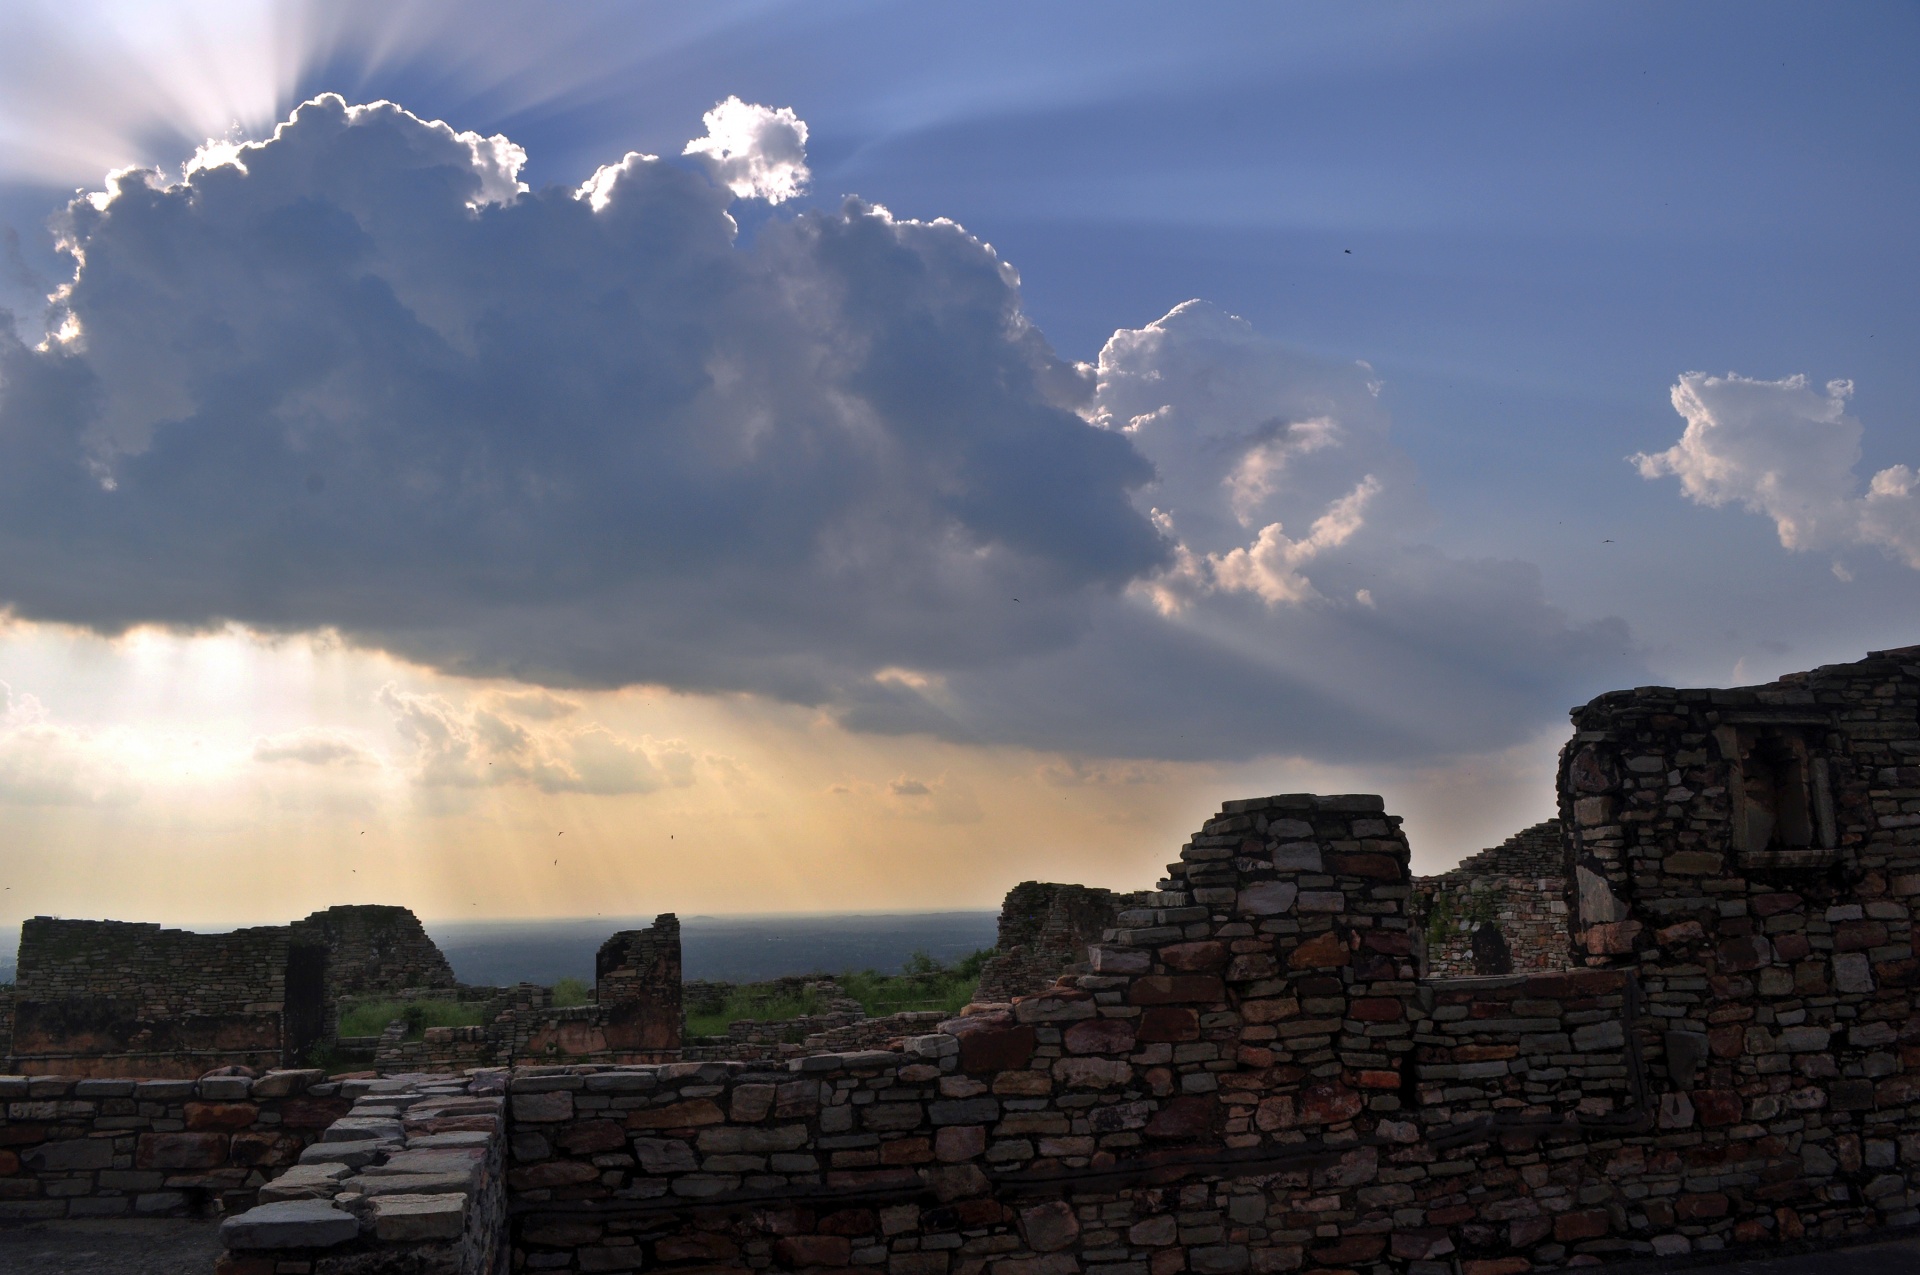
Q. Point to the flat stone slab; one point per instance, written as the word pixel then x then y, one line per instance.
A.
pixel 358 1129
pixel 416 1160
pixel 449 1141
pixel 305 1182
pixel 290 1224
pixel 419 1217
pixel 412 1184
pixel 354 1155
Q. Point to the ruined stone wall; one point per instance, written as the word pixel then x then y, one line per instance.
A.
pixel 1516 889
pixel 145 1148
pixel 635 1016
pixel 1252 1080
pixel 373 948
pixel 122 998
pixel 1045 931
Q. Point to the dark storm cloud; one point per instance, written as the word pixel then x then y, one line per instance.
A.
pixel 357 377
pixel 357 380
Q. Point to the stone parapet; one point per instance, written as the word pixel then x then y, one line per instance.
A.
pixel 91 1147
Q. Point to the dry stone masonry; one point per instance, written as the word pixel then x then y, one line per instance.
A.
pixel 1501 911
pixel 1045 930
pixel 1250 1075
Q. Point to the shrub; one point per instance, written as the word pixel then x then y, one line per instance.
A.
pixel 570 991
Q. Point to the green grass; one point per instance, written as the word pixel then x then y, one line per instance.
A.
pixel 923 983
pixel 569 992
pixel 370 1018
pixel 746 1002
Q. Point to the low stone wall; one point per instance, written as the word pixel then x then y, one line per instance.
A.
pixel 408 1182
pixel 112 1148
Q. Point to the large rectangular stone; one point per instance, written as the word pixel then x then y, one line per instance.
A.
pixel 290 1224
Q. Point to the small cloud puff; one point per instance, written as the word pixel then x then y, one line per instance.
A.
pixel 1788 451
pixel 315 746
pixel 905 787
pixel 757 152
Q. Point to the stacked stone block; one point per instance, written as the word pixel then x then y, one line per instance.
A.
pixel 1045 930
pixel 406 1183
pixel 72 1147
pixel 1520 886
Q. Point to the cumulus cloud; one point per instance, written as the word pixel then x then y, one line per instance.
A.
pixel 357 377
pixel 43 763
pixel 354 376
pixel 1303 611
pixel 315 746
pixel 458 747
pixel 757 152
pixel 1788 451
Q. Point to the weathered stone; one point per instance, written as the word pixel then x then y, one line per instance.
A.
pixel 289 1224
pixel 411 1218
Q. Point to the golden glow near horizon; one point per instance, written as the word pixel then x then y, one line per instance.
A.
pixel 232 778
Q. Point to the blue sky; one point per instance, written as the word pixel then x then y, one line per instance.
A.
pixel 1479 244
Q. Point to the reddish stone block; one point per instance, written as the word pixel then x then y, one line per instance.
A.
pixel 1378 1080
pixel 1750 1232
pixel 1717 1107
pixel 1582 1224
pixel 1525 1232
pixel 1388 942
pixel 1374 867
pixel 1419 1245
pixel 1208 955
pixel 1764 905
pixel 1324 951
pixel 1328 1104
pixel 202 1116
pixel 1792 947
pixel 847 1222
pixel 1498 1266
pixel 180 1151
pixel 1451 1216
pixel 1002 1049
pixel 1749 952
pixel 312 1113
pixel 1176 989
pixel 680 1115
pixel 1351 1248
pixel 701 1246
pixel 551 1173
pixel 906 1151
pixel 1791 1227
pixel 1099 1036
pixel 1858 936
pixel 1376 1009
pixel 1160 1024
pixel 1187 1117
pixel 240 1264
pixel 9 1164
pixel 264 1149
pixel 813 1250
pixel 1485 1053
pixel 960 1142
pixel 1729 1040
pixel 1694 1205
pixel 591 1136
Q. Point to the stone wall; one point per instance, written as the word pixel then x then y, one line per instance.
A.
pixel 141 1148
pixel 120 998
pixel 635 1015
pixel 107 998
pixel 1045 931
pixel 1502 911
pixel 408 1182
pixel 373 948
pixel 1252 1079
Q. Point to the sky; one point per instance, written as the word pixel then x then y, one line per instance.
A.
pixel 770 457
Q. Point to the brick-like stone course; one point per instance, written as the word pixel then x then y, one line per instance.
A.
pixel 92 1147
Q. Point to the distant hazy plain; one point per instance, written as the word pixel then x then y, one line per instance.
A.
pixel 735 949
